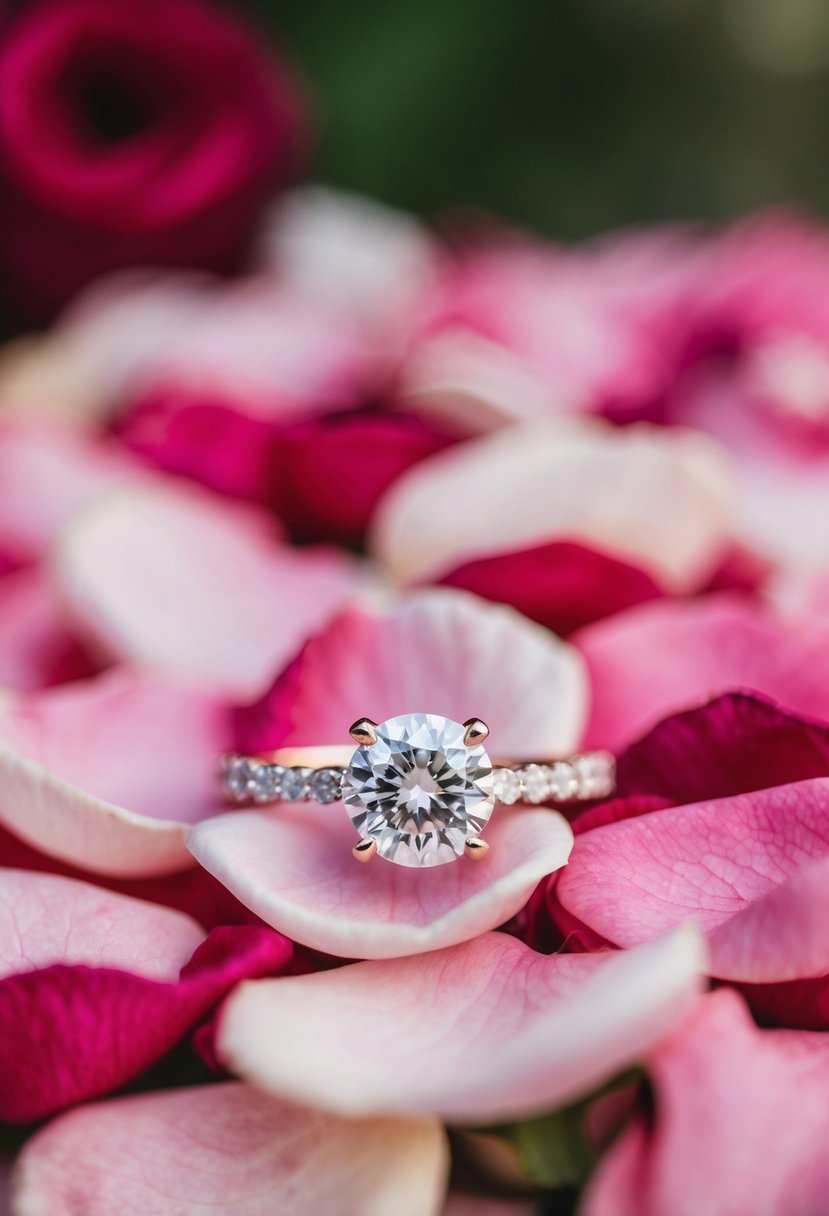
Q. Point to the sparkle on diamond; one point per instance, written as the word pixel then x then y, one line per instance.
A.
pixel 419 791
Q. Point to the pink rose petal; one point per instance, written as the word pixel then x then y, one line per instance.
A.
pixel 231 1151
pixel 437 651
pixel 662 657
pixel 480 1032
pixel 177 578
pixel 293 867
pixel 79 1022
pixel 106 773
pixel 67 468
pixel 193 891
pixel 735 744
pixel 47 919
pixel 751 870
pixel 561 585
pixel 739 1127
pixel 655 499
pixel 37 646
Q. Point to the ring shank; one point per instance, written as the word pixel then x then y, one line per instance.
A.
pixel 302 774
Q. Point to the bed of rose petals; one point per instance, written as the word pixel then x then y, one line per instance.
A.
pixel 578 492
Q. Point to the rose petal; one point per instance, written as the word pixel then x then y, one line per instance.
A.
pixel 294 868
pixel 180 579
pixel 655 499
pixel 231 1150
pixel 332 471
pixel 463 380
pixel 740 1124
pixel 799 1005
pixel 562 585
pixel 69 471
pixel 732 745
pixel 488 1030
pixel 750 870
pixel 192 891
pixel 666 656
pixel 45 919
pixel 354 255
pixel 73 1032
pixel 106 773
pixel 37 647
pixel 439 651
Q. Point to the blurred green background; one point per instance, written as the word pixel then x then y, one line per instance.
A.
pixel 572 116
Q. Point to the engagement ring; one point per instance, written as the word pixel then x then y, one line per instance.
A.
pixel 419 789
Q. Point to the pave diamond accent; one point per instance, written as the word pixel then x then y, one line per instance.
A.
pixel 326 785
pixel 266 782
pixel 238 777
pixel 296 784
pixel 535 780
pixel 506 785
pixel 419 791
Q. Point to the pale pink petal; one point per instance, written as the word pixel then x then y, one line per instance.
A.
pixel 666 656
pixel 485 1031
pixel 106 773
pixel 77 370
pixel 655 498
pixel 231 1151
pixel 270 351
pixel 739 1127
pixel 47 471
pixel 178 578
pixel 352 254
pixel 750 870
pixel 45 919
pixel 293 867
pixel 436 651
pixel 461 378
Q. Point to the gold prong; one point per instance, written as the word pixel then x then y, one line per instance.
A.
pixel 476 731
pixel 363 731
pixel 364 850
pixel 476 848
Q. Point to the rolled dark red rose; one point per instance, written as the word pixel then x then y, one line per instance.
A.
pixel 131 132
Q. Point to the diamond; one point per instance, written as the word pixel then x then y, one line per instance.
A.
pixel 536 782
pixel 506 786
pixel 594 774
pixel 563 782
pixel 419 791
pixel 266 782
pixel 326 785
pixel 295 782
pixel 238 772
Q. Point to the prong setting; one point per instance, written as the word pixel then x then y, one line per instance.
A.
pixel 476 732
pixel 476 848
pixel 364 732
pixel 364 850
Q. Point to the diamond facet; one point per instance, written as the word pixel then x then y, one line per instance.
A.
pixel 419 791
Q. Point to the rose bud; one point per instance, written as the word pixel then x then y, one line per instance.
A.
pixel 147 131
